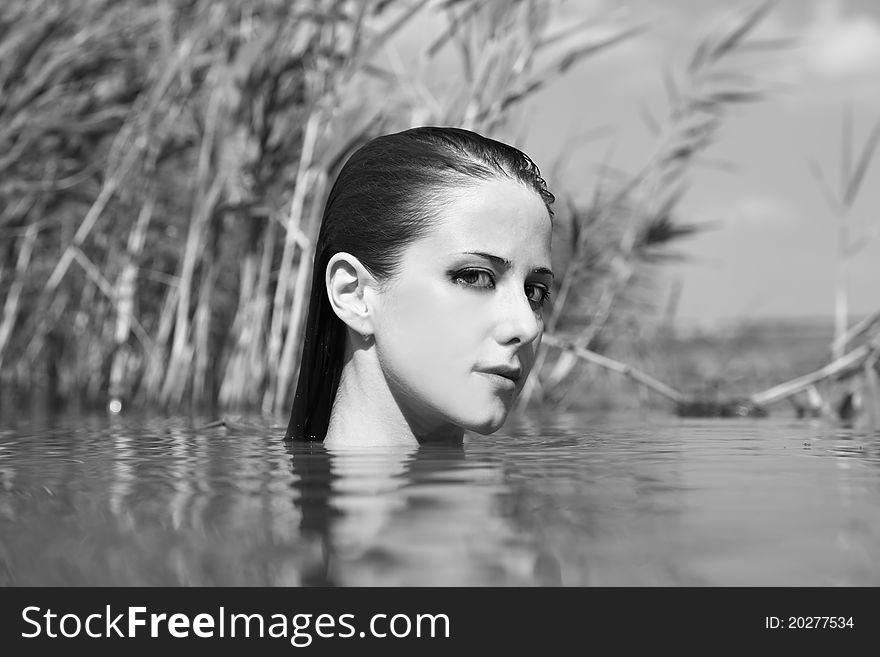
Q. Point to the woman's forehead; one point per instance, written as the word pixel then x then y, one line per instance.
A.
pixel 492 215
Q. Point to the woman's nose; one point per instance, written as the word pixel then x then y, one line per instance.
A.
pixel 518 321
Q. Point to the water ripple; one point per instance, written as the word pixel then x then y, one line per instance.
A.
pixel 567 500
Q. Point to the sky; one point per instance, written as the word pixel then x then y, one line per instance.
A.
pixel 770 248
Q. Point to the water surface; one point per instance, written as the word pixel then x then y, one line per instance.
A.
pixel 572 500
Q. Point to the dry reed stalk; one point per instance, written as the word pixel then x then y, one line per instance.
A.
pixel 489 74
pixel 125 290
pixel 362 51
pixel 858 330
pixel 127 147
pixel 201 384
pixel 582 380
pixel 154 370
pixel 91 378
pixel 841 203
pixel 181 348
pixel 293 236
pixel 18 210
pixel 235 374
pixel 226 153
pixel 841 294
pixel 616 366
pixel 162 373
pixel 40 327
pixel 498 45
pixel 74 362
pixel 289 362
pixel 242 379
pixel 494 113
pixel 255 356
pixel 10 307
pixel 209 185
pixel 109 188
pixel 872 390
pixel 846 363
pixel 93 272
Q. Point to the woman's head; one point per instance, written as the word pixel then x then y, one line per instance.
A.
pixel 434 252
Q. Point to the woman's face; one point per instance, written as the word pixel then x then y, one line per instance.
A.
pixel 457 327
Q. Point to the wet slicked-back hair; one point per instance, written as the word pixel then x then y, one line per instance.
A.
pixel 386 196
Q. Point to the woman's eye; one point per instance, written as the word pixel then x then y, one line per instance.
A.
pixel 476 278
pixel 537 294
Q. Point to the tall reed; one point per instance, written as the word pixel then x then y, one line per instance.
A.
pixel 164 166
pixel 851 239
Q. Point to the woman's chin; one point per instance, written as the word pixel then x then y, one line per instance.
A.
pixel 487 424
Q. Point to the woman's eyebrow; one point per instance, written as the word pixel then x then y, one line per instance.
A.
pixel 506 264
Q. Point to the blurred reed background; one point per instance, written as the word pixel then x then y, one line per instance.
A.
pixel 164 165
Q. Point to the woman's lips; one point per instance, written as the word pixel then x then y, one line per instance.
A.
pixel 511 372
pixel 500 380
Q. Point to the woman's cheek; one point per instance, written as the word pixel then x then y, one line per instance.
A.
pixel 436 331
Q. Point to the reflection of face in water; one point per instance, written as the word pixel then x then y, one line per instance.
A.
pixel 408 515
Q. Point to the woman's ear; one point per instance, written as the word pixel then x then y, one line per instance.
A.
pixel 349 285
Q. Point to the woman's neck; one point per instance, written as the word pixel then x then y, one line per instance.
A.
pixel 366 413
